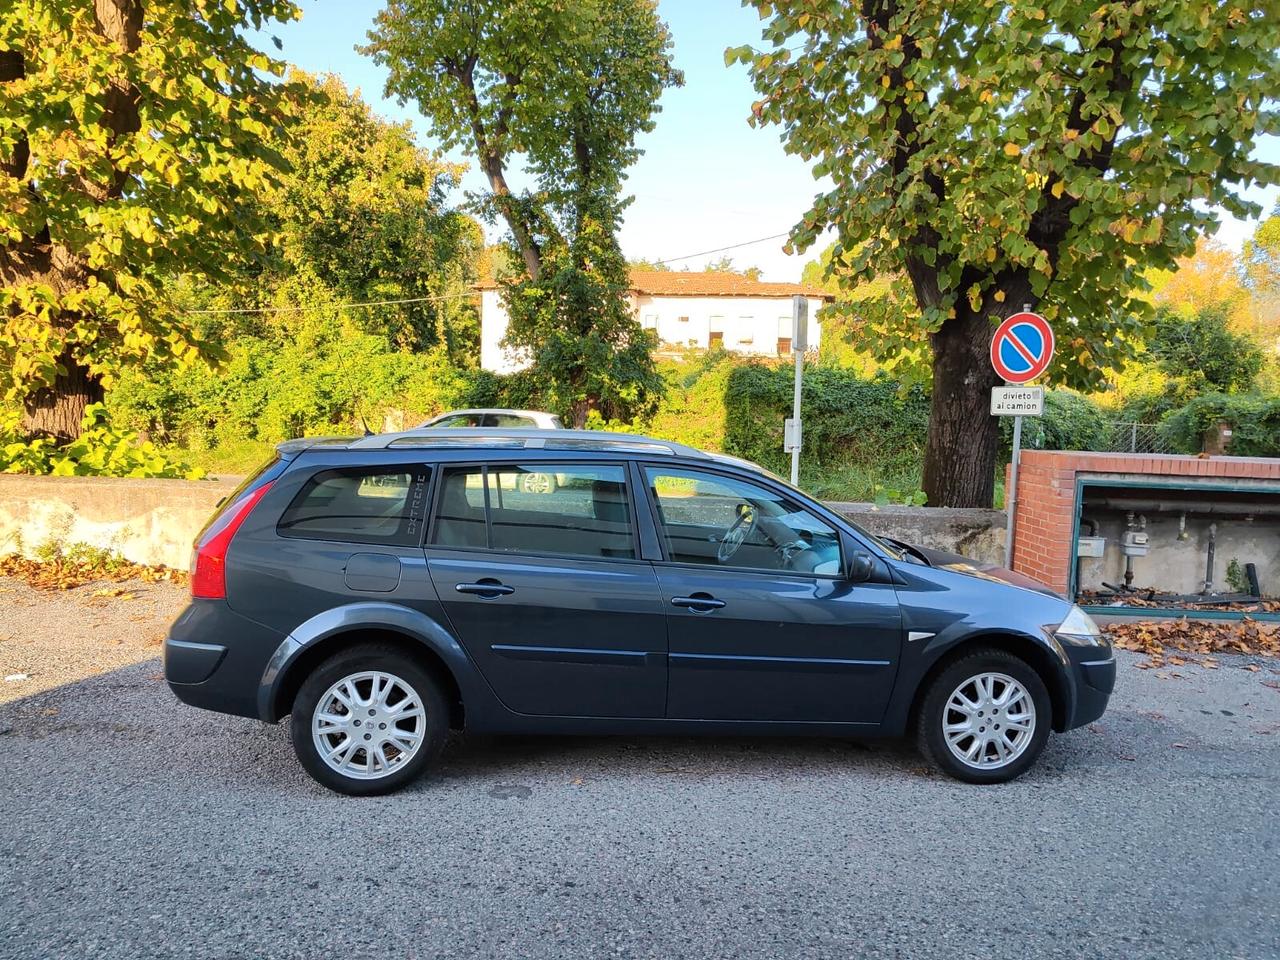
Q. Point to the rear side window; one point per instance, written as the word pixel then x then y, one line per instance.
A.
pixel 360 505
pixel 572 510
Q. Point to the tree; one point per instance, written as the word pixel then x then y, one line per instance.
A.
pixel 1005 154
pixel 644 264
pixel 1202 353
pixel 362 212
pixel 132 136
pixel 725 265
pixel 1262 277
pixel 566 88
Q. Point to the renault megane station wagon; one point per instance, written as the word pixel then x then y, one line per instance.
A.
pixel 380 591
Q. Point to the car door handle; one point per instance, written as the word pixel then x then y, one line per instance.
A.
pixel 699 601
pixel 487 589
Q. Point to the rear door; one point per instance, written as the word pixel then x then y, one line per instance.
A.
pixel 762 624
pixel 546 591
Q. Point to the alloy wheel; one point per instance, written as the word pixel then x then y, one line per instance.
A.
pixel 368 725
pixel 989 721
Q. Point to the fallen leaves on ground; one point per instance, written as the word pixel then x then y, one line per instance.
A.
pixel 1149 598
pixel 64 574
pixel 1195 640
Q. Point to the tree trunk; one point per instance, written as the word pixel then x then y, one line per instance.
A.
pixel 960 456
pixel 56 411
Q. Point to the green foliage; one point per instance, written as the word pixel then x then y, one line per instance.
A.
pixel 1070 422
pixel 576 323
pixel 124 161
pixel 568 87
pixel 1236 578
pixel 1254 419
pixel 1054 146
pixel 101 450
pixel 1202 350
pixel 847 420
pixel 362 210
pixel 1003 153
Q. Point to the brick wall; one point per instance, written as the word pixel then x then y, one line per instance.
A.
pixel 1046 517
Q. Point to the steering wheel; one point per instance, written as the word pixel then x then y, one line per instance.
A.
pixel 736 535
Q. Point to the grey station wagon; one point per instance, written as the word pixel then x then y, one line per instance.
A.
pixel 382 590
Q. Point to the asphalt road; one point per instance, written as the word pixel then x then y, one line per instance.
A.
pixel 134 827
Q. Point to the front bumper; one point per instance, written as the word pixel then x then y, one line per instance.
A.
pixel 1095 677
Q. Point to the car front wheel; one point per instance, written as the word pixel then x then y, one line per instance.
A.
pixel 985 718
pixel 368 720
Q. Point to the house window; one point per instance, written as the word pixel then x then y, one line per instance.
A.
pixel 784 336
pixel 715 340
pixel 650 321
pixel 784 346
pixel 682 319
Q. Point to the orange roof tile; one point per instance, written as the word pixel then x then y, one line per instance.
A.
pixel 680 283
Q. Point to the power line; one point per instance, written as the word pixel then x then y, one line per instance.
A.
pixel 342 306
pixel 452 296
pixel 732 246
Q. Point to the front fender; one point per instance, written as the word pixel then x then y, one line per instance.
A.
pixel 371 615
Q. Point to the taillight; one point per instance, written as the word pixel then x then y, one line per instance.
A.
pixel 209 566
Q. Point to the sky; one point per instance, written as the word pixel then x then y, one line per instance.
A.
pixel 706 179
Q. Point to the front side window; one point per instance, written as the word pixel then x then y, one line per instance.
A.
pixel 727 522
pixel 571 510
pixel 508 420
pixel 360 505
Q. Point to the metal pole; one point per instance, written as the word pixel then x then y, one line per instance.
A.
pixel 795 413
pixel 1011 495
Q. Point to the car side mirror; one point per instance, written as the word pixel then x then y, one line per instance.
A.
pixel 860 568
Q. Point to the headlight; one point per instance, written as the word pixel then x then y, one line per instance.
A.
pixel 1078 628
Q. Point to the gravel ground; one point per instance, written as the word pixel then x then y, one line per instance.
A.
pixel 135 827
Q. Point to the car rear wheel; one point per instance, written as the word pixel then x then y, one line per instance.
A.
pixel 985 718
pixel 368 720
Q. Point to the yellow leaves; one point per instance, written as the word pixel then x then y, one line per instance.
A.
pixel 894 43
pixel 1057 189
pixel 885 81
pixel 998 296
pixel 990 254
pixel 984 97
pixel 1011 150
pixel 1071 134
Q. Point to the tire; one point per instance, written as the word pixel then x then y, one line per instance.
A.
pixel 400 748
pixel 974 732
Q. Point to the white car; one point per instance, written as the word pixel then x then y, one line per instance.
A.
pixel 496 417
pixel 518 419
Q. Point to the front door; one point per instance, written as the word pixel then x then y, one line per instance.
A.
pixel 543 587
pixel 761 623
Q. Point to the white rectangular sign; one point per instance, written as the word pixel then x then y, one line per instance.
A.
pixel 1017 401
pixel 790 435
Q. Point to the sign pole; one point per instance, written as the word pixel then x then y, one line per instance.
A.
pixel 799 343
pixel 1011 495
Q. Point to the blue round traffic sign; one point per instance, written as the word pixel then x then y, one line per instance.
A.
pixel 1022 347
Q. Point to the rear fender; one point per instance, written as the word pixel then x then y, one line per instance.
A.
pixel 356 617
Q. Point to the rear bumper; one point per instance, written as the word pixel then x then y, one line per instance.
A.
pixel 214 658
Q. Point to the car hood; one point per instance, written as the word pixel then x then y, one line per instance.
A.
pixel 985 571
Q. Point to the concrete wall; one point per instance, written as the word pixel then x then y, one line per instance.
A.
pixel 147 521
pixel 977 534
pixel 155 521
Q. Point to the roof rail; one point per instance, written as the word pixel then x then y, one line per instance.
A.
pixel 524 438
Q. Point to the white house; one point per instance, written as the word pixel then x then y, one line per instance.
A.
pixel 686 310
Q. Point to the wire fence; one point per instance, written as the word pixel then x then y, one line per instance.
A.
pixel 1128 436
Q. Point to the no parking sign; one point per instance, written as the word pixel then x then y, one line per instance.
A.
pixel 1022 347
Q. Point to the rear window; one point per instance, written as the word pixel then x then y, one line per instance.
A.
pixel 360 505
pixel 571 510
